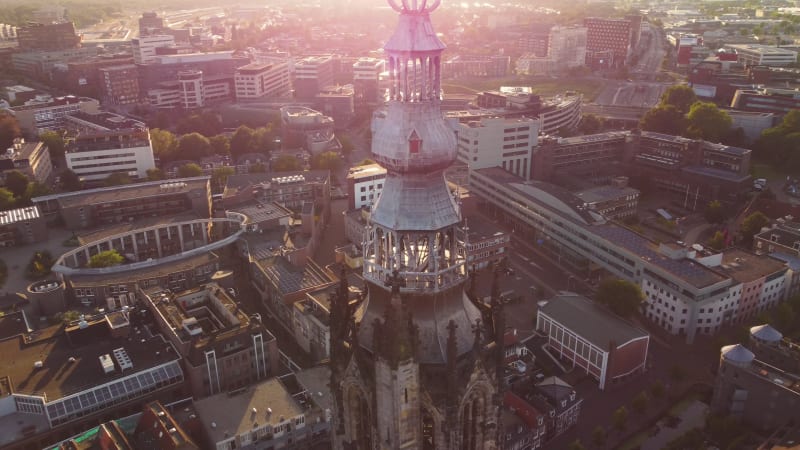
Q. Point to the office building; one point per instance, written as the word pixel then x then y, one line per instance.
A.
pixel 494 66
pixel 306 128
pixel 687 290
pixel 107 143
pixel 121 85
pixel 278 413
pixel 608 42
pixel 108 369
pixel 364 185
pixel 567 47
pixel 30 158
pixel 150 24
pixel 262 80
pixel 116 204
pixel 781 240
pixel 758 382
pixel 144 47
pixel 311 75
pixel 22 226
pixel 47 37
pixel 615 201
pixel 366 80
pixel 589 337
pixel 85 78
pixel 222 348
pixel 20 93
pixel 763 55
pixel 49 113
pixel 505 142
pixel 487 243
pixel 769 100
pixel 41 64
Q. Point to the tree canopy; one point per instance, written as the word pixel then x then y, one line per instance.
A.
pixel 326 160
pixel 55 144
pixel 681 96
pixel 206 123
pixel 286 163
pixel 220 176
pixel 590 124
pixel 190 170
pixel 706 121
pixel 17 182
pixel 9 129
pixel 241 141
pixel 780 145
pixel 192 146
pixel 714 213
pixel 117 179
pixel 155 174
pixel 752 224
pixel 622 297
pixel 664 119
pixel 163 142
pixel 6 199
pixel 106 258
pixel 70 181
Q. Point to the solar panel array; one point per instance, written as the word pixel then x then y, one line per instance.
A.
pixel 81 404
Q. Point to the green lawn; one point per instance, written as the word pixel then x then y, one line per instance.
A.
pixel 589 87
pixel 767 171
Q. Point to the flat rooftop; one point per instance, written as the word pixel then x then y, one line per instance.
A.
pixel 260 212
pixel 127 192
pixel 605 193
pixel 59 377
pixel 235 414
pixel 265 180
pixel 590 321
pixel 106 231
pixel 106 121
pixel 368 170
pixel 481 229
pixel 746 267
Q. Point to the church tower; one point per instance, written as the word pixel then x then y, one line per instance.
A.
pixel 416 364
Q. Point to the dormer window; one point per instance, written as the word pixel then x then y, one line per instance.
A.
pixel 773 238
pixel 414 143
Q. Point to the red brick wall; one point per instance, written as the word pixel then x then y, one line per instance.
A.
pixel 627 358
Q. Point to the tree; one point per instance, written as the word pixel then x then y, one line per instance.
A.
pixel 717 242
pixel 326 160
pixel 192 146
pixel 17 182
pixel 657 390
pixel 783 317
pixel 189 170
pixel 576 445
pixel 640 403
pixel 163 142
pixel 664 119
pixel 117 179
pixel 590 124
pixel 681 96
pixel 70 181
pixel 286 163
pixel 622 297
pixel 241 140
pixel 599 436
pixel 206 123
pixel 257 168
pixel 220 176
pixel 3 273
pixel 752 224
pixel 620 418
pixel 6 199
pixel 106 258
pixel 347 144
pixel 55 144
pixel 677 373
pixel 155 174
pixel 39 265
pixel 706 121
pixel 9 129
pixel 34 189
pixel 714 212
pixel 220 145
